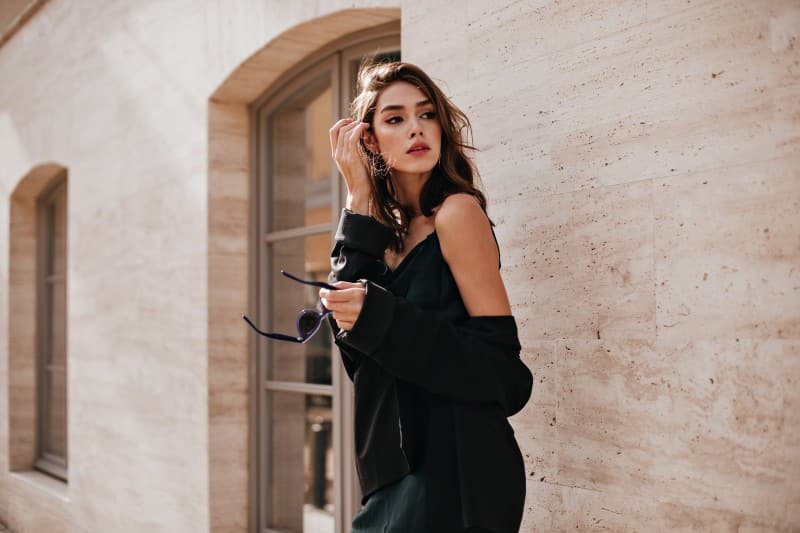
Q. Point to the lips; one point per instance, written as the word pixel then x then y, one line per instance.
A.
pixel 418 147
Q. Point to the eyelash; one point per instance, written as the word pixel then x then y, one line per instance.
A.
pixel 433 113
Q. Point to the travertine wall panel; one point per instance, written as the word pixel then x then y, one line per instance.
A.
pixel 639 162
pixel 228 393
pixel 607 109
pixel 580 264
pixel 727 239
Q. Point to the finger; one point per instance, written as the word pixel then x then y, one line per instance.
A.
pixel 337 307
pixel 344 324
pixel 349 319
pixel 342 295
pixel 333 296
pixel 336 139
pixel 333 306
pixel 344 310
pixel 358 131
pixel 344 140
pixel 347 284
pixel 341 285
pixel 334 132
pixel 339 123
pixel 355 136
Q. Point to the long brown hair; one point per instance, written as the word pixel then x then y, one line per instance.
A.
pixel 455 172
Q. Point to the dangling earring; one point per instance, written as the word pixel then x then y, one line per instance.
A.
pixel 381 169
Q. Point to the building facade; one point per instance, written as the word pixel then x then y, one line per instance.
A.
pixel 161 162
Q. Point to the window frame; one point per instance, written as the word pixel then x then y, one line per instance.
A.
pixel 46 462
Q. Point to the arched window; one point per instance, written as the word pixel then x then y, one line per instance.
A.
pixel 37 357
pixel 305 454
pixel 52 338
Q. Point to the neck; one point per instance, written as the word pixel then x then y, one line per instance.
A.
pixel 408 186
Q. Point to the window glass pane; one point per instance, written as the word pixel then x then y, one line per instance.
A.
pixel 58 330
pixel 54 440
pixel 57 287
pixel 300 157
pixel 308 258
pixel 53 378
pixel 300 472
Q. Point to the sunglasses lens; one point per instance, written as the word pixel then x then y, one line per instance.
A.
pixel 307 322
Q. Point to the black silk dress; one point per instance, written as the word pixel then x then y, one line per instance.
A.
pixel 433 390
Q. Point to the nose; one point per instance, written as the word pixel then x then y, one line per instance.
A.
pixel 415 126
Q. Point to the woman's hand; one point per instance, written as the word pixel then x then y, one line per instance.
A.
pixel 349 156
pixel 345 303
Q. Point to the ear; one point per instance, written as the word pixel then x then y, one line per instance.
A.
pixel 370 142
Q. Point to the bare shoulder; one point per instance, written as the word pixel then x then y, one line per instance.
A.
pixel 460 213
pixel 470 250
pixel 465 233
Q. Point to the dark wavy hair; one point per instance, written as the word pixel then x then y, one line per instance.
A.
pixel 455 172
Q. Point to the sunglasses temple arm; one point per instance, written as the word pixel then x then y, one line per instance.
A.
pixel 280 336
pixel 308 282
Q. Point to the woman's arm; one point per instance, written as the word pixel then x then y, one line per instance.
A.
pixel 358 248
pixel 470 250
pixel 473 360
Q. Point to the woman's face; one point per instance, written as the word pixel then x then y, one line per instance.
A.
pixel 400 121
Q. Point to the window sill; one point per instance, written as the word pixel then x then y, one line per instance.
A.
pixel 43 482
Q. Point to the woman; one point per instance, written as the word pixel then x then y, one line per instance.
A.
pixel 422 318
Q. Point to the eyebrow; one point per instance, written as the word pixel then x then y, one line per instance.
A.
pixel 393 107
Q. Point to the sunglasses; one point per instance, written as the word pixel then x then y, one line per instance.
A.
pixel 308 321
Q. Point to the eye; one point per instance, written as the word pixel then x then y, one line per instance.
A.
pixel 431 113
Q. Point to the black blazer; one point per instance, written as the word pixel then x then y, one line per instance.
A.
pixel 433 386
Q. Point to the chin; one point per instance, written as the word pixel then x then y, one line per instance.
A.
pixel 421 165
pixel 416 169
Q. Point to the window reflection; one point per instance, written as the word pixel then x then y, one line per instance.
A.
pixel 300 185
pixel 53 406
pixel 301 441
pixel 307 257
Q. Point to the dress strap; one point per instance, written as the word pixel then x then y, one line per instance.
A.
pixel 499 262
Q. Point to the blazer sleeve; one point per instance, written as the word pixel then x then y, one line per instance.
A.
pixel 473 360
pixel 357 254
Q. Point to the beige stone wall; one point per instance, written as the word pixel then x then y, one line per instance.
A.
pixel 640 160
pixel 119 94
pixel 113 93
